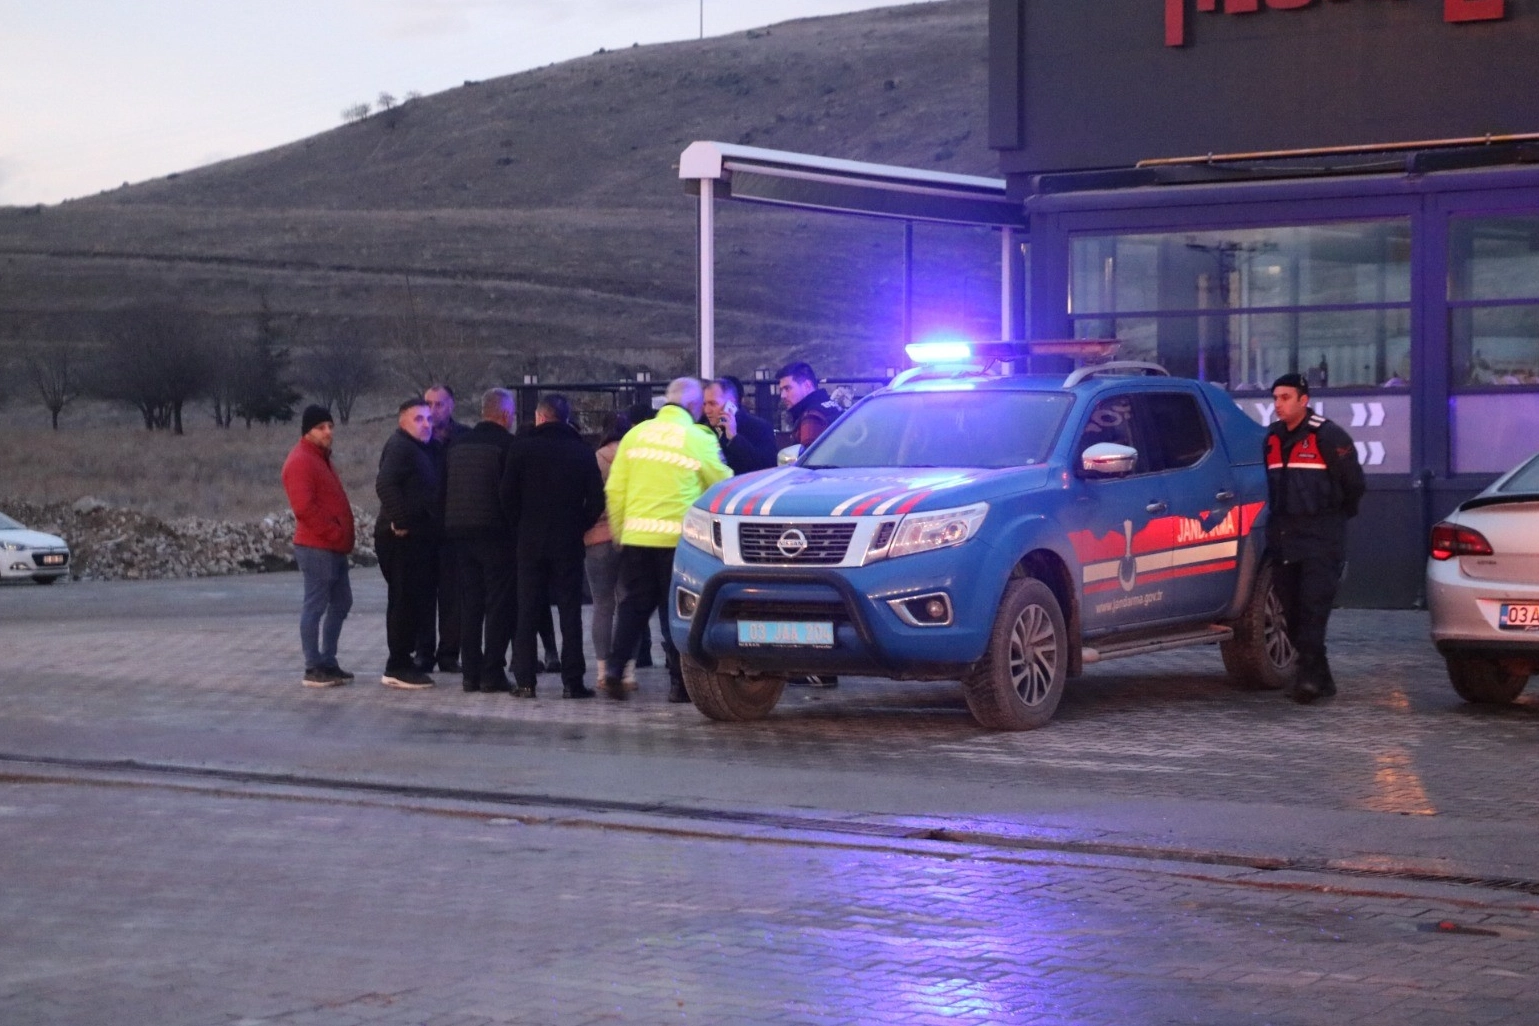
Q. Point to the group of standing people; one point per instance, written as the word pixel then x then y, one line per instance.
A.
pixel 481 530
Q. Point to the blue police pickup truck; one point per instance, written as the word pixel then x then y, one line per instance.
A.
pixel 998 529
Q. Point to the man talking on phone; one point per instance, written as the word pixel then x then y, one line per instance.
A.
pixel 747 442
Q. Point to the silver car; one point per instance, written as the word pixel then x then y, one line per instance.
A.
pixel 1483 588
pixel 23 553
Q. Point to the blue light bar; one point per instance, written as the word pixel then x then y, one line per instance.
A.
pixel 939 352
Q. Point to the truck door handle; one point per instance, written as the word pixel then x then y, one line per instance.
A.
pixel 1156 507
pixel 1224 496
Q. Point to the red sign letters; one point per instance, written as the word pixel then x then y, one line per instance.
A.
pixel 1175 11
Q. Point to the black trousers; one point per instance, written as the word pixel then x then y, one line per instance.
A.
pixel 543 580
pixel 488 603
pixel 1306 586
pixel 444 644
pixel 410 568
pixel 645 577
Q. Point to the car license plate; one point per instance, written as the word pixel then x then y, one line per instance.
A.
pixel 53 560
pixel 810 633
pixel 1519 616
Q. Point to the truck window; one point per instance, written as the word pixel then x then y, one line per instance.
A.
pixel 1178 429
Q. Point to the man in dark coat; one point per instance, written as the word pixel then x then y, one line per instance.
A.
pixel 808 407
pixel 747 442
pixel 406 539
pixel 443 647
pixel 1314 484
pixel 476 525
pixel 553 493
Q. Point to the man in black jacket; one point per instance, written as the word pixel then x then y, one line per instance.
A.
pixel 1314 485
pixel 443 647
pixel 477 527
pixel 553 493
pixel 808 407
pixel 747 442
pixel 406 538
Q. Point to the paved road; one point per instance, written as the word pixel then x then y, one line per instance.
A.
pixel 240 849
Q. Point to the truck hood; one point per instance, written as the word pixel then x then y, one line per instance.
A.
pixel 864 491
pixel 31 539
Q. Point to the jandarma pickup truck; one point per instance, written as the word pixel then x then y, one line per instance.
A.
pixel 998 529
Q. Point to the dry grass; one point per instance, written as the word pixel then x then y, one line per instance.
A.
pixel 103 452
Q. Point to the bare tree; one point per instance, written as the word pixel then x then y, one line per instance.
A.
pixel 428 351
pixel 341 369
pixel 357 112
pixel 385 101
pixel 54 371
pixel 154 359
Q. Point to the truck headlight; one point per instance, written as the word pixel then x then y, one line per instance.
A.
pixel 13 546
pixel 702 531
pixel 923 532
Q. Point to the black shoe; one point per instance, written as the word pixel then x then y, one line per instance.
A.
pixel 676 693
pixel 337 671
pixel 552 664
pixel 420 665
pixel 406 680
pixel 493 683
pixel 644 660
pixel 449 665
pixel 577 691
pixel 470 684
pixel 322 677
pixel 524 692
pixel 1304 691
pixel 614 688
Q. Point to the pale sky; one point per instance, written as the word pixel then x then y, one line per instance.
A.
pixel 95 93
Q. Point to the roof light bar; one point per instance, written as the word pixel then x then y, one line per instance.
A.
pixel 939 352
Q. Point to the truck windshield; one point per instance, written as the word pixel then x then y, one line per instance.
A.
pixel 943 429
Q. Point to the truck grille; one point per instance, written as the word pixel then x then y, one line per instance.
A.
pixel 826 544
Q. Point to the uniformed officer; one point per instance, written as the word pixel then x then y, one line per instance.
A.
pixel 1314 485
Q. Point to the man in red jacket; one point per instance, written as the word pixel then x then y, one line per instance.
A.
pixel 323 538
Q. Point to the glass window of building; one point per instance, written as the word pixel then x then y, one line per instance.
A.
pixel 1493 301
pixel 1241 306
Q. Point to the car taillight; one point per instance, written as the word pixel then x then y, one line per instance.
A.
pixel 1450 540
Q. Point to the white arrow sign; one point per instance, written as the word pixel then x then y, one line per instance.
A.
pixel 1367 414
pixel 1370 454
pixel 1375 414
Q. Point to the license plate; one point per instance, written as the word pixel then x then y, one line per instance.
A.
pixel 809 633
pixel 54 560
pixel 1519 616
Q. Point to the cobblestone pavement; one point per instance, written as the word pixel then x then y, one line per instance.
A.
pixel 1340 832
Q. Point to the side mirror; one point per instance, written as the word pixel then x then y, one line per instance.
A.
pixel 787 455
pixel 1108 459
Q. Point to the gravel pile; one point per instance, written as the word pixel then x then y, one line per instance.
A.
pixel 110 544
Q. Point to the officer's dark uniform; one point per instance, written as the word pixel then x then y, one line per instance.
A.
pixel 1315 483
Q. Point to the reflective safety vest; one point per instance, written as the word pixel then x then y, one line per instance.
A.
pixel 662 466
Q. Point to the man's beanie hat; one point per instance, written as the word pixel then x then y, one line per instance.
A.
pixel 313 415
pixel 1293 381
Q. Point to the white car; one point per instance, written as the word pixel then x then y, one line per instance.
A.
pixel 1483 588
pixel 24 553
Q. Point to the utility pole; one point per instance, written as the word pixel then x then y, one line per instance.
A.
pixel 702 19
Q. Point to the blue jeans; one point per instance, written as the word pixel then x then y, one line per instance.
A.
pixel 328 594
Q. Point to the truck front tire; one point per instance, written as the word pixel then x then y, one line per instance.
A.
pixel 1261 656
pixel 722 696
pixel 1019 682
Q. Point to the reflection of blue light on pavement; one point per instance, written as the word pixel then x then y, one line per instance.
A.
pixel 938 352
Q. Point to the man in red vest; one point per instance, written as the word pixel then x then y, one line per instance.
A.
pixel 323 539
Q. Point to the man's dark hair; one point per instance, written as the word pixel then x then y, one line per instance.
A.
pixel 555 406
pixel 800 371
pixel 1294 381
pixel 407 404
pixel 439 385
pixel 728 383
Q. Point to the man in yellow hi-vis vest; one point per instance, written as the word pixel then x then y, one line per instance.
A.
pixel 662 466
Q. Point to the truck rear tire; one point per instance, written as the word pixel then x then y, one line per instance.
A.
pixel 1484 680
pixel 1019 682
pixel 722 696
pixel 1261 656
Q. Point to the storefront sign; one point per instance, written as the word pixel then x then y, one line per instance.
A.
pixel 1379 424
pixel 1454 11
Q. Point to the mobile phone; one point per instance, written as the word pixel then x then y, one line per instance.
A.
pixel 729 409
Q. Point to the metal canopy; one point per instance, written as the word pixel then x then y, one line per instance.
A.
pixel 849 186
pixel 781 178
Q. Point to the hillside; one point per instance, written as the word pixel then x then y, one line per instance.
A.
pixel 538 218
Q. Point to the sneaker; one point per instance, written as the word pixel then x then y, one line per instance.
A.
pixel 321 677
pixel 347 678
pixel 407 680
pixel 614 688
pixel 524 691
